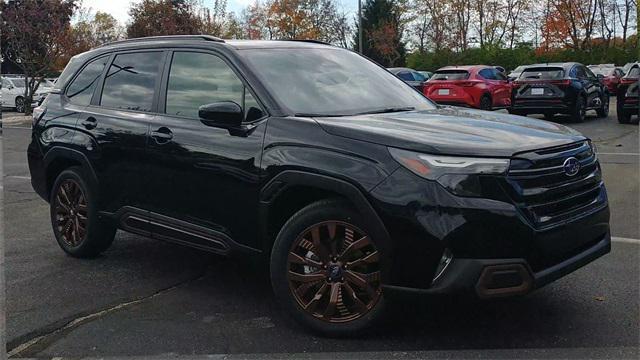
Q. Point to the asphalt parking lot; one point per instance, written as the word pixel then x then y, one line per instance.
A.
pixel 144 297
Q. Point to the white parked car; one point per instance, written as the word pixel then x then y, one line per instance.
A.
pixel 13 93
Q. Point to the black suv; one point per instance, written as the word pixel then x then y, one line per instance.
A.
pixel 351 183
pixel 559 88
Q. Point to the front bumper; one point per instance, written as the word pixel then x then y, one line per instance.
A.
pixel 490 278
pixel 483 234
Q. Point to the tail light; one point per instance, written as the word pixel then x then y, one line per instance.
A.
pixel 560 82
pixel 628 81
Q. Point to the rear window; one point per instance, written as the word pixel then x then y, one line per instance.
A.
pixel 605 71
pixel 546 73
pixel 450 75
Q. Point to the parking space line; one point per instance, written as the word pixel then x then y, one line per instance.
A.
pixel 19 177
pixel 624 154
pixel 625 240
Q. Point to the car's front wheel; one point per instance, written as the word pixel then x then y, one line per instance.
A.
pixel 74 216
pixel 326 269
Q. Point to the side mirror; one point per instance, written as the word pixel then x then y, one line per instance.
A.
pixel 600 76
pixel 225 114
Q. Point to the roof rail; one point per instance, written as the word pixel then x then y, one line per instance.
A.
pixel 167 37
pixel 308 40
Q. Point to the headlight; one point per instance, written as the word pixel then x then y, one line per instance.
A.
pixel 461 175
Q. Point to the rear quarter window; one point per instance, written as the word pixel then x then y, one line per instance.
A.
pixel 450 75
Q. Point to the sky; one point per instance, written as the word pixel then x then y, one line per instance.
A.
pixel 119 8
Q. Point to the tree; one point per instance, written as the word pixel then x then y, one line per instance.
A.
pixel 88 32
pixel 382 33
pixel 163 17
pixel 34 32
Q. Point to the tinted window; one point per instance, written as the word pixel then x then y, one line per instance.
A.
pixel 580 72
pixel 418 77
pixel 131 80
pixel 81 88
pixel 450 75
pixel 330 82
pixel 405 75
pixel 589 73
pixel 545 73
pixel 252 110
pixel 487 74
pixel 499 75
pixel 198 79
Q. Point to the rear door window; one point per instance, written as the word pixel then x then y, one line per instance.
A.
pixel 487 74
pixel 131 81
pixel 405 75
pixel 450 75
pixel 81 88
pixel 544 73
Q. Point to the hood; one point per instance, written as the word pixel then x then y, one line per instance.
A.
pixel 452 131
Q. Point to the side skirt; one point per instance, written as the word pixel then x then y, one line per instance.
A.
pixel 161 227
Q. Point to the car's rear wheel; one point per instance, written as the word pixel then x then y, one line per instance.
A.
pixel 76 226
pixel 603 110
pixel 579 111
pixel 485 102
pixel 20 104
pixel 326 269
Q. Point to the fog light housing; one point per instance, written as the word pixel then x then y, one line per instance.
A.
pixel 445 260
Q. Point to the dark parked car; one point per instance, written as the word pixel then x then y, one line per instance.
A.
pixel 410 76
pixel 628 106
pixel 559 88
pixel 350 183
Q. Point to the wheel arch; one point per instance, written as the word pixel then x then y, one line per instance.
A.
pixel 58 159
pixel 291 190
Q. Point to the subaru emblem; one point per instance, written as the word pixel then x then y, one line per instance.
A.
pixel 571 166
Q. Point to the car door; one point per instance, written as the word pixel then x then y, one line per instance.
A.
pixel 502 88
pixel 112 130
pixel 493 86
pixel 204 181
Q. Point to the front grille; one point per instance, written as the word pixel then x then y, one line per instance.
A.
pixel 545 194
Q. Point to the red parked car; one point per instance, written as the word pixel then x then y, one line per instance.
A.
pixel 478 86
pixel 610 76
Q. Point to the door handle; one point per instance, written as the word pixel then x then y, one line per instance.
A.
pixel 162 135
pixel 90 123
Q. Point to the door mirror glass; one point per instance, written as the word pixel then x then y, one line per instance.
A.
pixel 227 114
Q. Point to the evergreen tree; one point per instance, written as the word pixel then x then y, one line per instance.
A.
pixel 381 33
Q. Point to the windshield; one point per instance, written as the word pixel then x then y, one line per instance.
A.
pixel 546 73
pixel 325 82
pixel 450 75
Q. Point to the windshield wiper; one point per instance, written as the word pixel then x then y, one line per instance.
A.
pixel 387 110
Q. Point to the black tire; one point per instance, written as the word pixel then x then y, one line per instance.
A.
pixel 603 110
pixel 19 104
pixel 74 216
pixel 549 116
pixel 578 113
pixel 282 267
pixel 516 112
pixel 623 116
pixel 485 103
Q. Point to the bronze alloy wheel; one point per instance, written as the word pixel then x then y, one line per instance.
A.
pixel 70 210
pixel 334 272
